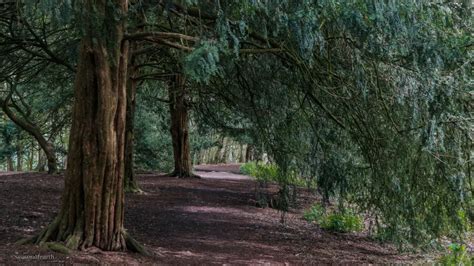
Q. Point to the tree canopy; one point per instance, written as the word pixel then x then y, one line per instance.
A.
pixel 372 99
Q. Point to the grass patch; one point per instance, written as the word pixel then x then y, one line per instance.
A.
pixel 457 255
pixel 271 173
pixel 344 222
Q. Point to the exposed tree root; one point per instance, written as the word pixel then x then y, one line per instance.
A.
pixel 75 242
pixel 57 247
pixel 134 246
pixel 57 237
pixel 25 241
pixel 132 187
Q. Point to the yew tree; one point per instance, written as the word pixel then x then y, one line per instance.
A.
pixel 92 208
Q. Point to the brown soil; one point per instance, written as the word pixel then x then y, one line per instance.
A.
pixel 233 168
pixel 186 221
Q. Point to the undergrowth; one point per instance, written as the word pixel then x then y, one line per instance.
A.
pixel 340 221
pixel 457 255
pixel 271 173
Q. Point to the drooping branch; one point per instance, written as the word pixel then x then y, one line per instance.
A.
pixel 32 129
pixel 160 35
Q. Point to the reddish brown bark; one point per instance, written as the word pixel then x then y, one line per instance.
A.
pixel 92 209
pixel 180 127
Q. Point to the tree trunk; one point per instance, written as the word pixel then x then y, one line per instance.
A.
pixel 249 153
pixel 180 127
pixel 242 153
pixel 10 167
pixel 31 157
pixel 223 151
pixel 131 184
pixel 19 157
pixel 41 161
pixel 92 210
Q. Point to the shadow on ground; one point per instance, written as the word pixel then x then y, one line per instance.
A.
pixel 189 221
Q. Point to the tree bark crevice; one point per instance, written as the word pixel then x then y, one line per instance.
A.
pixel 92 208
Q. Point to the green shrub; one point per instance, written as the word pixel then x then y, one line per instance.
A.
pixel 267 172
pixel 314 214
pixel 343 222
pixel 340 221
pixel 261 171
pixel 249 168
pixel 271 173
pixel 457 256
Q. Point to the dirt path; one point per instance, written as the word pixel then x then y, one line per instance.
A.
pixel 220 171
pixel 192 221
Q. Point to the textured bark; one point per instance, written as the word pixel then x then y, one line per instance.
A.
pixel 92 209
pixel 180 127
pixel 131 184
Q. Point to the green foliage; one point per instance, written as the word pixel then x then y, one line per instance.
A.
pixel 153 146
pixel 9 133
pixel 249 168
pixel 371 100
pixel 341 221
pixel 201 64
pixel 315 214
pixel 457 255
pixel 261 171
pixel 272 173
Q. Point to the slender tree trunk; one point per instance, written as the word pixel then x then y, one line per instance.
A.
pixel 217 155
pixel 249 153
pixel 180 127
pixel 19 157
pixel 223 151
pixel 31 157
pixel 10 167
pixel 92 210
pixel 131 184
pixel 242 153
pixel 51 158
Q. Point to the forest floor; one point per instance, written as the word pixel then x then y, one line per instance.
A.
pixel 212 220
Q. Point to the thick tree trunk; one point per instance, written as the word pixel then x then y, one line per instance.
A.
pixel 180 127
pixel 92 210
